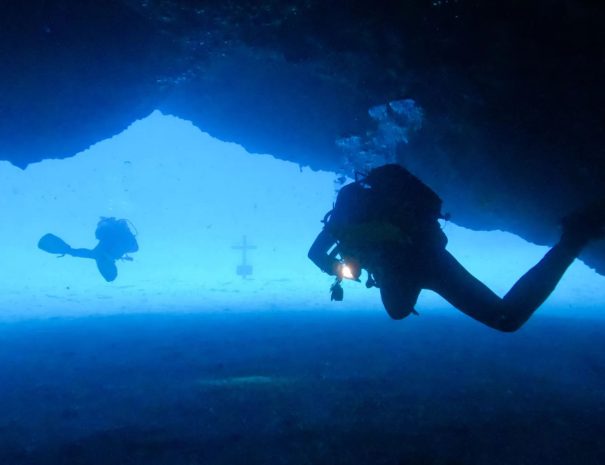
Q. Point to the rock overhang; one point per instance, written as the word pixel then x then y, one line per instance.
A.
pixel 511 92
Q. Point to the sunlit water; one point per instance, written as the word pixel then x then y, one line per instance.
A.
pixel 182 361
pixel 192 198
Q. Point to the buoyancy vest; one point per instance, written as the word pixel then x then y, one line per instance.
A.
pixel 389 208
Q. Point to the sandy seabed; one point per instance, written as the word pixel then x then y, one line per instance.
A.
pixel 300 388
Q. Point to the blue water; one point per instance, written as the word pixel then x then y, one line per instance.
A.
pixel 181 361
pixel 192 198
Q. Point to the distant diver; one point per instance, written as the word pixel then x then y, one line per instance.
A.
pixel 387 223
pixel 116 241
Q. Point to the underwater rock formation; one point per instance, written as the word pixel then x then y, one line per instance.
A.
pixel 511 94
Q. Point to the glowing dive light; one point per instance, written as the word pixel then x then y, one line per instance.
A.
pixel 349 269
pixel 346 272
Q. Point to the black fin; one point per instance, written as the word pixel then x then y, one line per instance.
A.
pixel 107 268
pixel 53 244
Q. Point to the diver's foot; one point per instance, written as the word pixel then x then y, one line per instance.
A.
pixel 585 224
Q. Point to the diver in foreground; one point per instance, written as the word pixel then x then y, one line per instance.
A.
pixel 387 223
pixel 116 240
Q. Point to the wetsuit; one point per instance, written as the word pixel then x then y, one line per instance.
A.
pixel 402 269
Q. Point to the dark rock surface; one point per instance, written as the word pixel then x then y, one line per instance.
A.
pixel 300 388
pixel 512 93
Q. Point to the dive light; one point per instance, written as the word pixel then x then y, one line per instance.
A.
pixel 349 269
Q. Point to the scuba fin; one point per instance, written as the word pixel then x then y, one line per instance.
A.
pixel 53 244
pixel 107 268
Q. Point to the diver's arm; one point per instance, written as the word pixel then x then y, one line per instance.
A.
pixel 319 253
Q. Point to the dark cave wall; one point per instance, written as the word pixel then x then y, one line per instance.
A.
pixel 511 91
pixel 73 73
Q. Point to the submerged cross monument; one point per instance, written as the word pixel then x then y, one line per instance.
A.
pixel 244 270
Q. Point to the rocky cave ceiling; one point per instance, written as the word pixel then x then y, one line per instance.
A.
pixel 510 93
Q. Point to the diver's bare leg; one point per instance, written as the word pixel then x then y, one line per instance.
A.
pixel 465 292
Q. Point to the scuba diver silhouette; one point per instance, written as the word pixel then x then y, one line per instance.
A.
pixel 116 240
pixel 387 223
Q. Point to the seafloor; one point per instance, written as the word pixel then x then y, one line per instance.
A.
pixel 300 388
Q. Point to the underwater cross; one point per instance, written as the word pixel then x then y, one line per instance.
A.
pixel 244 269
